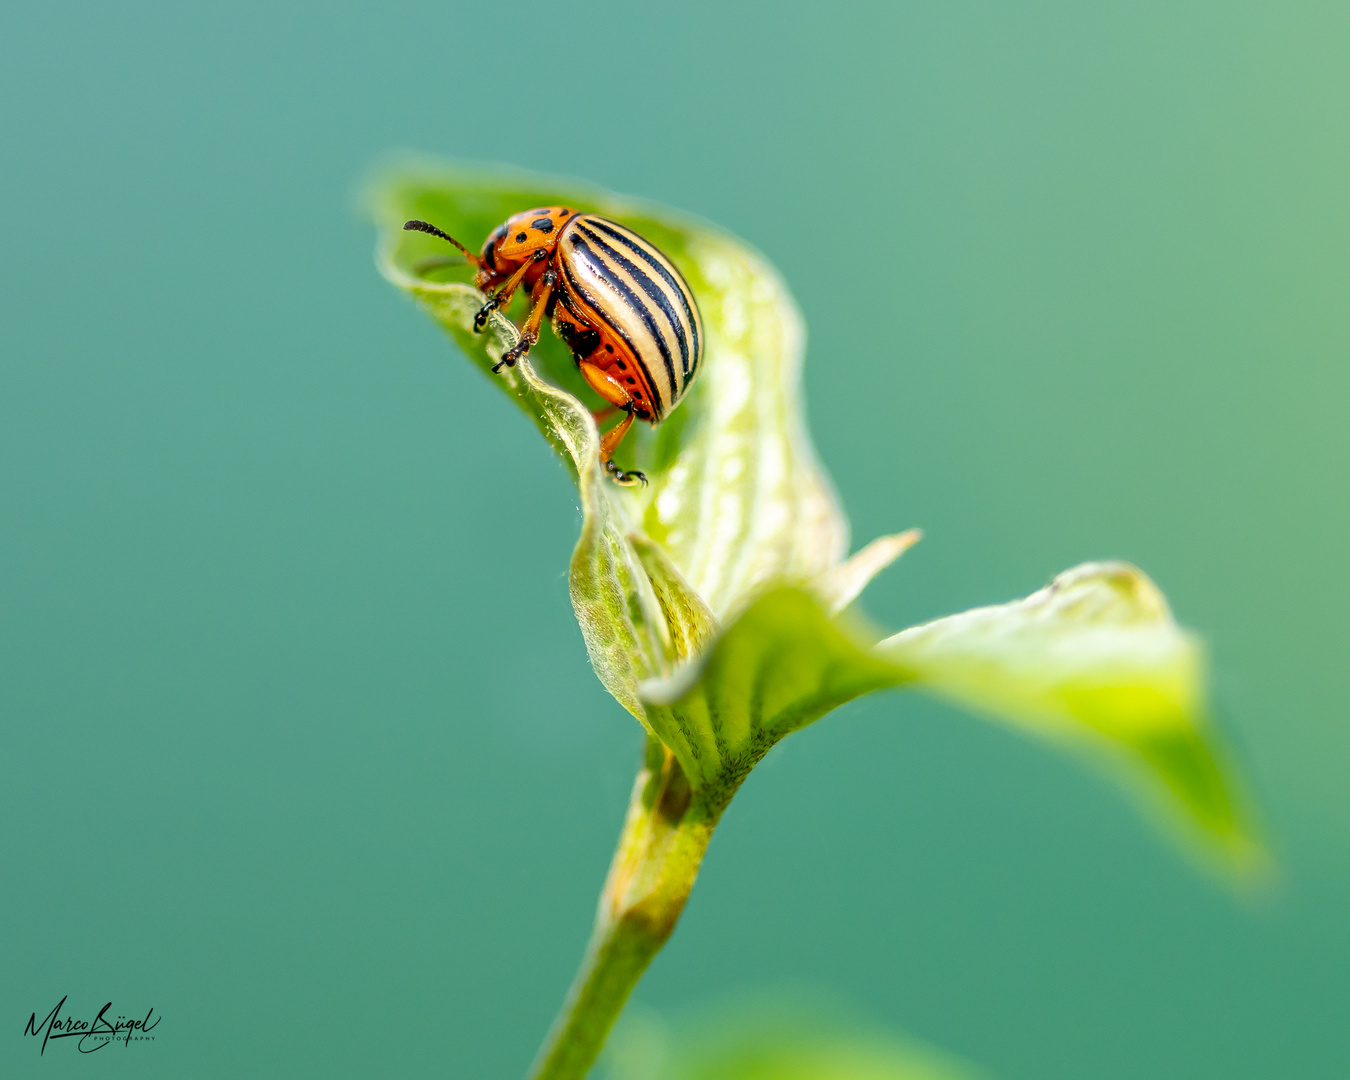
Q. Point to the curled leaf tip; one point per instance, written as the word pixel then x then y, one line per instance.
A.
pixel 843 583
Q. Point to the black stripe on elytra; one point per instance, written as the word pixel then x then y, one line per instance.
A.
pixel 634 302
pixel 654 259
pixel 575 286
pixel 657 295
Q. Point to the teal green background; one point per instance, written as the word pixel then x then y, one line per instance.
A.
pixel 300 743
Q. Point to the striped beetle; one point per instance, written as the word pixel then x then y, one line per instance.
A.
pixel 626 313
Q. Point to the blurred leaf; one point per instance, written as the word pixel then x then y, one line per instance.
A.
pixel 770 1038
pixel 737 498
pixel 1094 659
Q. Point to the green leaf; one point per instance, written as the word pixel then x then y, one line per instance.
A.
pixel 1094 660
pixel 777 667
pixel 692 627
pixel 737 499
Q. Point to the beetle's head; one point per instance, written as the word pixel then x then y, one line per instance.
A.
pixel 524 234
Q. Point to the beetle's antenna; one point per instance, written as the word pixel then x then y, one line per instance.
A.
pixel 427 227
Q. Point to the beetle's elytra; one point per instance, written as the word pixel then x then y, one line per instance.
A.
pixel 626 313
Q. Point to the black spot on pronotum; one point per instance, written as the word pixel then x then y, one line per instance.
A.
pixel 563 213
pixel 543 224
pixel 521 237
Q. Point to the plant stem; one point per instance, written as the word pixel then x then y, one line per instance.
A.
pixel 663 841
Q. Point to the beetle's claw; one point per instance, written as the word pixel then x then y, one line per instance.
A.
pixel 514 353
pixel 480 320
pixel 625 479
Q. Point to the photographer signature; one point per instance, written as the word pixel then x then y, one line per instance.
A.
pixel 92 1034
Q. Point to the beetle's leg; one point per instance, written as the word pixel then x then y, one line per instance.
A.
pixel 609 443
pixel 502 296
pixel 617 395
pixel 529 333
pixel 606 385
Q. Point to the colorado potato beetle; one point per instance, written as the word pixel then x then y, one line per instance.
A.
pixel 619 304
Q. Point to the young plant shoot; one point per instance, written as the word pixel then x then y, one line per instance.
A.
pixel 710 598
